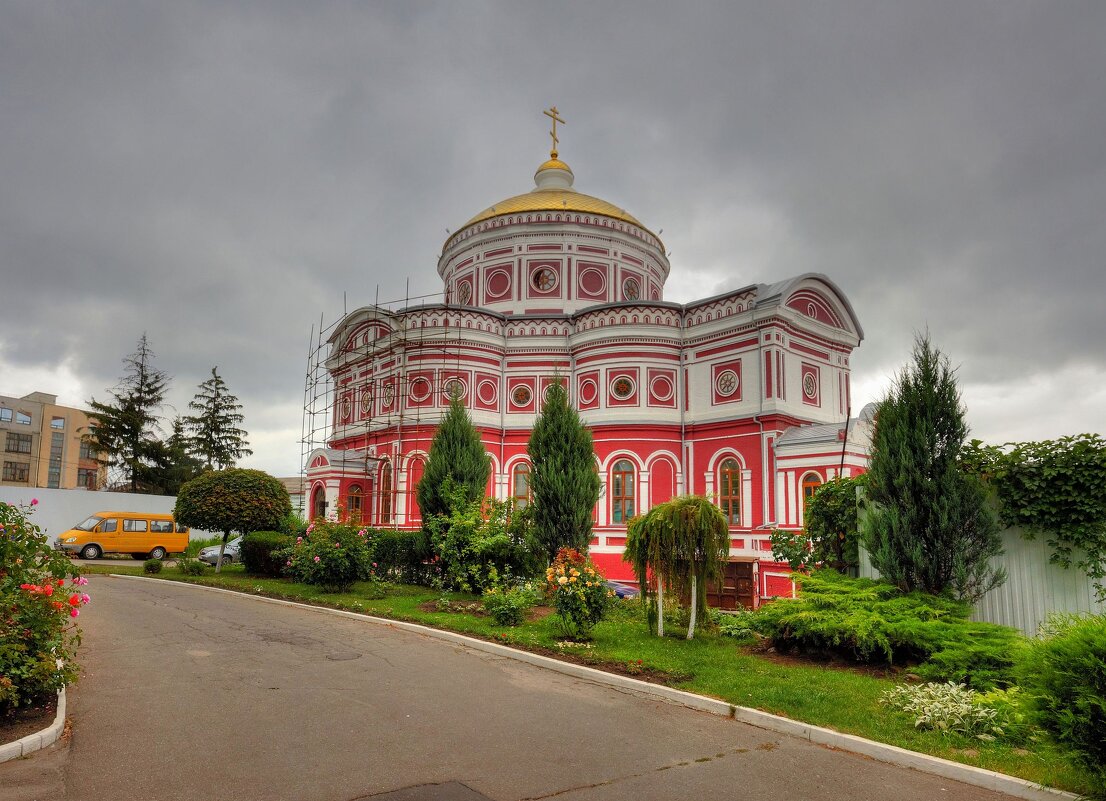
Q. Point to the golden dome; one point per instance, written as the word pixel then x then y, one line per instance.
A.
pixel 554 200
pixel 554 164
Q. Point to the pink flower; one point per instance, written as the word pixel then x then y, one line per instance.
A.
pixel 288 563
pixel 34 501
pixel 74 611
pixel 85 598
pixel 299 540
pixel 374 564
pixel 80 581
pixel 316 559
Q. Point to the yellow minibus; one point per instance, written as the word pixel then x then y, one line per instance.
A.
pixel 141 534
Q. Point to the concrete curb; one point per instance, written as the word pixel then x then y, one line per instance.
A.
pixel 893 755
pixel 40 739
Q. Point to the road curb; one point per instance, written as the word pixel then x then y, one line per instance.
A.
pixel 890 754
pixel 40 739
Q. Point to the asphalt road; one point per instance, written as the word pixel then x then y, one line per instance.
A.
pixel 189 694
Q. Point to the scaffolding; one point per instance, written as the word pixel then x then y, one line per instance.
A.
pixel 321 396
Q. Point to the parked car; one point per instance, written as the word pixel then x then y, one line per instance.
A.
pixel 623 590
pixel 231 554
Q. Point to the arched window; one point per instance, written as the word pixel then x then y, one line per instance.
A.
pixel 729 491
pixel 318 503
pixel 622 491
pixel 520 485
pixel 385 493
pixel 353 504
pixel 811 483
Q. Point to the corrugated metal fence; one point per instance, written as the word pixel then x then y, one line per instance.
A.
pixel 1034 586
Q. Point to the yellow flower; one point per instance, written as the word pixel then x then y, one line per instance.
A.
pixel 573 578
pixel 574 572
pixel 562 580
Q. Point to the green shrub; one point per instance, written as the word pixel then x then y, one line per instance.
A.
pixel 151 566
pixel 330 555
pixel 1064 676
pixel 874 622
pixel 508 605
pixel 477 542
pixel 192 567
pixel 262 552
pixel 195 546
pixel 742 624
pixel 402 555
pixel 578 591
pixel 38 635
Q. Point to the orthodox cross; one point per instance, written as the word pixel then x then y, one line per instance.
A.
pixel 552 113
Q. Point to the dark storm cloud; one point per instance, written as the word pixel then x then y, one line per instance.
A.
pixel 219 176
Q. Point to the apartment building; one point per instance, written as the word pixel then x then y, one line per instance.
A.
pixel 42 445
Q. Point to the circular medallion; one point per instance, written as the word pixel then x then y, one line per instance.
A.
pixel 588 391
pixel 498 284
pixel 464 293
pixel 661 387
pixel 367 399
pixel 592 281
pixel 622 387
pixel 810 386
pixel 631 289
pixel 347 408
pixel 726 383
pixel 420 389
pixel 522 395
pixel 544 280
pixel 388 395
pixel 487 391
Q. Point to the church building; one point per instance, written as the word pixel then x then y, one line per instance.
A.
pixel 742 397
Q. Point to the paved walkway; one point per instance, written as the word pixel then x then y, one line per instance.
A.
pixel 195 695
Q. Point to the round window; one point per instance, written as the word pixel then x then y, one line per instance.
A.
pixel 622 387
pixel 454 386
pixel 420 389
pixel 727 383
pixel 810 386
pixel 347 407
pixel 464 292
pixel 544 280
pixel 388 395
pixel 367 399
pixel 522 395
pixel 631 289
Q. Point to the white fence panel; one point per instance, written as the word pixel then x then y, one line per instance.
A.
pixel 1034 586
pixel 59 510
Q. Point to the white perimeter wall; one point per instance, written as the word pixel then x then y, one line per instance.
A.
pixel 60 509
pixel 1034 586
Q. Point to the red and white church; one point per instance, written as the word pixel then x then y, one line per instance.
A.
pixel 742 397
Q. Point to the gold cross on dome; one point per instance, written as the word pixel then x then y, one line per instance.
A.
pixel 553 114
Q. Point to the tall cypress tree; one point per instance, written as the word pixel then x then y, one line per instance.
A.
pixel 457 462
pixel 563 479
pixel 214 435
pixel 125 429
pixel 929 526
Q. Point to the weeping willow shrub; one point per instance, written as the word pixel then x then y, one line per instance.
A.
pixel 685 543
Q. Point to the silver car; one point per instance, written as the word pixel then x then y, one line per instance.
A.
pixel 211 553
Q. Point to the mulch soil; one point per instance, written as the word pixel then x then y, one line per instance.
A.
pixel 23 720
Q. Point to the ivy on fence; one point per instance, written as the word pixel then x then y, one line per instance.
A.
pixel 1055 489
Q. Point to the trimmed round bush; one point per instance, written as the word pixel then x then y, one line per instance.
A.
pixel 262 552
pixel 1064 676
pixel 151 566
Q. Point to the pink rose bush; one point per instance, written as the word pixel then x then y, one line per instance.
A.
pixel 38 604
pixel 331 555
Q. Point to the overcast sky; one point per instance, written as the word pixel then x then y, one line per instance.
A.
pixel 220 175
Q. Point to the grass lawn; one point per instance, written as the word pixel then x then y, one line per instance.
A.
pixel 841 699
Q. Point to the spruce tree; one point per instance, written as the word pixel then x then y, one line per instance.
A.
pixel 457 467
pixel 563 479
pixel 929 526
pixel 180 465
pixel 125 429
pixel 214 435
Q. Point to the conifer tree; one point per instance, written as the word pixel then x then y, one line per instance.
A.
pixel 457 465
pixel 563 479
pixel 180 465
pixel 214 435
pixel 928 526
pixel 125 429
